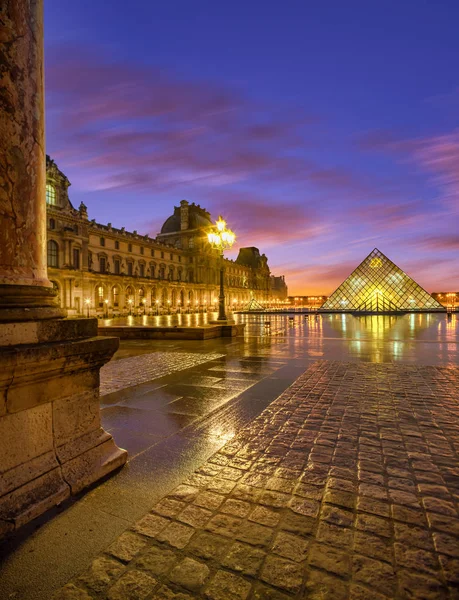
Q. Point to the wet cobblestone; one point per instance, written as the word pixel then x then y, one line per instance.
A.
pixel 132 371
pixel 345 487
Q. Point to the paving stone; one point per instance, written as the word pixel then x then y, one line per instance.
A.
pixel 190 574
pixel 376 574
pixel 255 534
pixel 244 558
pixel 298 524
pixel 133 585
pixel 157 560
pixel 323 586
pixel 209 500
pixel 102 572
pixel 330 559
pixel 446 544
pixel 304 506
pixel 359 592
pixel 372 546
pixel 264 516
pixel 195 516
pixel 127 546
pixel 169 507
pixel 176 535
pixel 263 592
pixel 409 535
pixel 337 516
pixel 224 525
pixel 71 592
pixel 290 546
pixel 282 573
pixel 348 476
pixel 226 586
pixel 373 524
pixel 166 593
pixel 186 493
pixel 423 586
pixel 340 537
pixel 208 545
pixel 238 508
pixel 151 525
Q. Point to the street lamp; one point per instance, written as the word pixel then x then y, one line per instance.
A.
pixel 144 302
pixel 168 307
pixel 106 308
pixel 221 239
pixel 130 301
pixel 87 301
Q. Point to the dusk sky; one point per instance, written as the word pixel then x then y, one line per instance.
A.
pixel 319 130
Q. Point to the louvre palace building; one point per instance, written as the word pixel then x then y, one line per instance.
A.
pixel 100 270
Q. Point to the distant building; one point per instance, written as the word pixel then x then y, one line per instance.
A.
pixel 102 269
pixel 279 290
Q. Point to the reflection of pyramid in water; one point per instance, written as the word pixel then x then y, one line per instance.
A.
pixel 376 286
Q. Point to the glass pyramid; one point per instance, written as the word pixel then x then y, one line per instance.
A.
pixel 377 285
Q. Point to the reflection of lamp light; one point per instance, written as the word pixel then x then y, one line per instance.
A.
pixel 130 301
pixel 106 307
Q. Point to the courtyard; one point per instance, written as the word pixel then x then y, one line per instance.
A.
pixel 344 483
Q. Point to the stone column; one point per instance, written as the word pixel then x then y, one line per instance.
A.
pixel 23 276
pixel 52 444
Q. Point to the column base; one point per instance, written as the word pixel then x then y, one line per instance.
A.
pixel 28 303
pixel 51 442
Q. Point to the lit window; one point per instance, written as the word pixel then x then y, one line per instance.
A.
pixel 53 254
pixel 100 293
pixel 50 195
pixel 116 296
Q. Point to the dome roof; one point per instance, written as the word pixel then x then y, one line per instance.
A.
pixel 197 218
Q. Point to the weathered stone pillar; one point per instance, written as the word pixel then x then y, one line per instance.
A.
pixel 51 441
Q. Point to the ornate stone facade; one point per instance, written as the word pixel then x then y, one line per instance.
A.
pixel 98 269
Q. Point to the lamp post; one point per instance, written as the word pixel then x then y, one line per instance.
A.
pixel 157 307
pixel 130 301
pixel 221 239
pixel 87 301
pixel 106 308
pixel 144 302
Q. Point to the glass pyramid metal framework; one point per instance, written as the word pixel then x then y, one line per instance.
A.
pixel 377 285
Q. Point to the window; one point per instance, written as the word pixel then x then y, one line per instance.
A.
pixel 102 264
pixel 162 254
pixel 129 268
pixel 102 241
pixel 117 245
pixel 171 256
pixel 51 195
pixel 180 259
pixel 75 229
pixel 142 249
pixel 152 252
pixel 89 260
pixel 153 270
pixel 162 273
pixel 100 295
pixel 117 266
pixel 129 247
pixel 52 224
pixel 53 254
pixel 76 258
pixel 142 270
pixel 116 296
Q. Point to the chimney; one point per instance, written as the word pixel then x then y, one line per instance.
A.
pixel 184 219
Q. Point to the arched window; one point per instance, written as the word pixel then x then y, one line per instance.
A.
pixel 51 195
pixel 53 254
pixel 141 295
pixel 100 295
pixel 52 224
pixel 115 296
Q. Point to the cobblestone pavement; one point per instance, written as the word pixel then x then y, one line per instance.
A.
pixel 135 370
pixel 346 486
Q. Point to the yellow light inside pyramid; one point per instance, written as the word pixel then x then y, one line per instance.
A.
pixel 376 263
